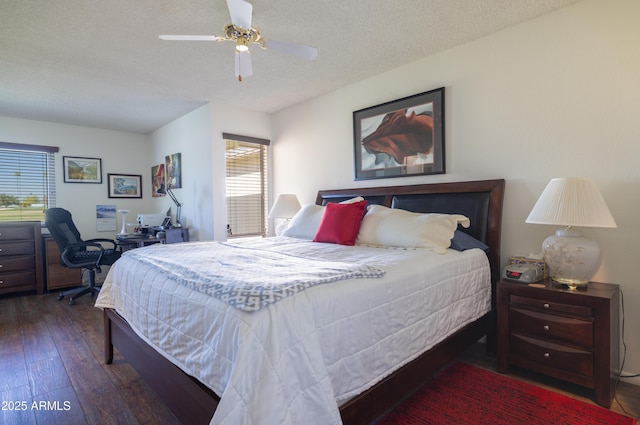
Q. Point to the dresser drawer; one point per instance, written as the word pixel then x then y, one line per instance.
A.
pixel 551 306
pixel 16 233
pixel 17 248
pixel 550 355
pixel 548 326
pixel 12 264
pixel 27 280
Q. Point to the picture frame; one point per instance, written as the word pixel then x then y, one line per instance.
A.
pixel 400 138
pixel 78 169
pixel 125 185
pixel 158 188
pixel 173 171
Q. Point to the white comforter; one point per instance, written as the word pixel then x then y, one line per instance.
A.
pixel 295 361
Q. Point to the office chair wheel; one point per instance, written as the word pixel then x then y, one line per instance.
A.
pixel 72 301
pixel 60 296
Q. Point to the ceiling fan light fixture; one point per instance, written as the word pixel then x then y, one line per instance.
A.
pixel 242 44
pixel 243 34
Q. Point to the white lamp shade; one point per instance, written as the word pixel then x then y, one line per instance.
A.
pixel 572 258
pixel 571 202
pixel 286 206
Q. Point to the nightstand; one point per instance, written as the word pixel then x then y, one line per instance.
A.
pixel 569 335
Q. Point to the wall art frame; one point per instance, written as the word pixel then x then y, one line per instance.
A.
pixel 173 171
pixel 79 169
pixel 125 185
pixel 400 138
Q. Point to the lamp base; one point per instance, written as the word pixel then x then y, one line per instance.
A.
pixel 572 258
pixel 280 228
pixel 571 284
pixel 123 231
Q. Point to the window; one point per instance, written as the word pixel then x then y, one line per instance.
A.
pixel 27 181
pixel 246 185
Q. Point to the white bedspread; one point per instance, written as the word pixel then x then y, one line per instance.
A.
pixel 295 361
pixel 245 277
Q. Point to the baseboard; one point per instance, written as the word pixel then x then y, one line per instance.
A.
pixel 634 381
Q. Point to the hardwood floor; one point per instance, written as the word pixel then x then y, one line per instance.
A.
pixel 52 370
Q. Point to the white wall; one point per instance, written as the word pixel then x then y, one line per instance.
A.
pixel 556 96
pixel 120 152
pixel 198 137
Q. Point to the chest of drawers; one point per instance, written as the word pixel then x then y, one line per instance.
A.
pixel 20 257
pixel 569 335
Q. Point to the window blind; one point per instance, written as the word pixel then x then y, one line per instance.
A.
pixel 27 181
pixel 246 187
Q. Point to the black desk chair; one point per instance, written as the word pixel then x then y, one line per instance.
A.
pixel 78 254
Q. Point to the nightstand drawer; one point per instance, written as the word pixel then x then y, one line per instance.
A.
pixel 551 306
pixel 549 355
pixel 566 330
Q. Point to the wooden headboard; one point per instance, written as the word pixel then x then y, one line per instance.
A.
pixel 480 201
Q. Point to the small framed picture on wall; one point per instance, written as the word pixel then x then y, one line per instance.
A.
pixel 82 170
pixel 125 185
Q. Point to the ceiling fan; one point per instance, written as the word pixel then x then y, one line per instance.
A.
pixel 243 34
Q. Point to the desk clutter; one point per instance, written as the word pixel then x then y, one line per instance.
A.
pixel 150 235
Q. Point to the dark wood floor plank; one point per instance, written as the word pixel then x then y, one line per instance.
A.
pixel 47 375
pixel 37 342
pixel 20 412
pixel 13 369
pixel 60 406
pixel 106 407
pixel 146 405
pixel 10 337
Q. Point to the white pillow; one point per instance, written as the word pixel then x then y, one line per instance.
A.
pixel 305 223
pixel 384 226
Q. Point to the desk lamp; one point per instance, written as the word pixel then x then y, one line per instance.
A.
pixel 572 258
pixel 169 192
pixel 285 207
pixel 123 231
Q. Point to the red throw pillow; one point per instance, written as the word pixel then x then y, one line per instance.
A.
pixel 340 223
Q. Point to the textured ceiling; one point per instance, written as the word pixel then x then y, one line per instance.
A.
pixel 101 64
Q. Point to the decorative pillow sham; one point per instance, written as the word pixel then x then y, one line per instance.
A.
pixel 383 226
pixel 462 241
pixel 340 223
pixel 305 224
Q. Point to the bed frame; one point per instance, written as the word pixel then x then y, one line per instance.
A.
pixel 481 201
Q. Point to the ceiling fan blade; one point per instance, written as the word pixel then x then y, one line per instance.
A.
pixel 292 49
pixel 190 37
pixel 243 65
pixel 240 12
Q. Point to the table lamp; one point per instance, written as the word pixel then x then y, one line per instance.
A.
pixel 285 207
pixel 572 258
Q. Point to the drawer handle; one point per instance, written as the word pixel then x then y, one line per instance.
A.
pixel 545 327
pixel 546 305
pixel 547 355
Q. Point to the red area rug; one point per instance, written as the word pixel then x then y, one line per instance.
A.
pixel 465 395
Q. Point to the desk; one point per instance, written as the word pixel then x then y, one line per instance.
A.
pixel 128 242
pixel 173 235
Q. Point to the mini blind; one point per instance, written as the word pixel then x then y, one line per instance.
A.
pixel 27 181
pixel 246 186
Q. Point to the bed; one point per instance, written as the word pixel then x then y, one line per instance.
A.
pixel 195 402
